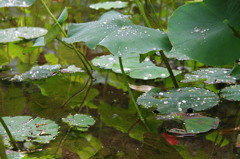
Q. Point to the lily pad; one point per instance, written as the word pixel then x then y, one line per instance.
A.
pixel 108 5
pixel 20 33
pixel 144 70
pixel 201 124
pixel 206 31
pixel 119 35
pixel 231 93
pixel 80 122
pixel 16 3
pixel 178 100
pixel 176 55
pixel 27 129
pixel 210 76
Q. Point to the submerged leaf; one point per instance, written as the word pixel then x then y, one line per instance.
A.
pixel 118 34
pixel 26 129
pixel 80 122
pixel 16 3
pixel 210 76
pixel 231 93
pixel 108 5
pixel 20 33
pixel 178 100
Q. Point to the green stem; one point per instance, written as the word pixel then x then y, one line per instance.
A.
pixel 165 60
pixel 79 54
pixel 142 11
pixel 13 142
pixel 3 154
pixel 130 93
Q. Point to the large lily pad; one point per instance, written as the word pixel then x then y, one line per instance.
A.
pixel 16 3
pixel 231 93
pixel 207 31
pixel 80 122
pixel 210 76
pixel 27 129
pixel 117 33
pixel 144 70
pixel 200 124
pixel 20 33
pixel 178 100
pixel 108 5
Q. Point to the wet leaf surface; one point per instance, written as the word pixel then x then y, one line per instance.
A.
pixel 118 34
pixel 231 93
pixel 178 100
pixel 27 129
pixel 176 55
pixel 16 3
pixel 108 5
pixel 210 76
pixel 80 122
pixel 20 33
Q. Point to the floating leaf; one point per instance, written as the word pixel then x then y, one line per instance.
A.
pixel 201 124
pixel 108 5
pixel 117 33
pixel 27 129
pixel 176 55
pixel 16 3
pixel 207 31
pixel 20 33
pixel 144 70
pixel 231 93
pixel 210 76
pixel 80 122
pixel 178 100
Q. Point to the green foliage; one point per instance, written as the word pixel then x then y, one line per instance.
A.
pixel 231 93
pixel 16 3
pixel 207 31
pixel 108 5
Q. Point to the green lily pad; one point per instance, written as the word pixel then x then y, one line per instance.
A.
pixel 16 3
pixel 200 124
pixel 210 76
pixel 178 100
pixel 176 55
pixel 108 5
pixel 27 129
pixel 20 33
pixel 207 31
pixel 145 70
pixel 231 93
pixel 118 34
pixel 80 122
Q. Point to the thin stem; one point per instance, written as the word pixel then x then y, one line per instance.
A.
pixel 13 142
pixel 141 8
pixel 130 93
pixel 3 154
pixel 165 60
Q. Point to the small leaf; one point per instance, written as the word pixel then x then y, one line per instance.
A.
pixel 231 93
pixel 80 122
pixel 235 72
pixel 20 33
pixel 201 124
pixel 178 100
pixel 16 3
pixel 52 33
pixel 63 16
pixel 108 5
pixel 210 76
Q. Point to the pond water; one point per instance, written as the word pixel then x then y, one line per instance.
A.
pixel 117 133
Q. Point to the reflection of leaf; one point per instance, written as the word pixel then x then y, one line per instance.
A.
pixel 80 122
pixel 210 76
pixel 16 3
pixel 108 5
pixel 117 33
pixel 24 128
pixel 178 100
pixel 20 33
pixel 231 93
pixel 206 31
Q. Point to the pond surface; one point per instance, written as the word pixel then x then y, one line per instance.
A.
pixel 117 133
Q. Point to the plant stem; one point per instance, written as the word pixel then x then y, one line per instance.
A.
pixel 79 54
pixel 130 93
pixel 13 142
pixel 165 60
pixel 142 11
pixel 3 154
